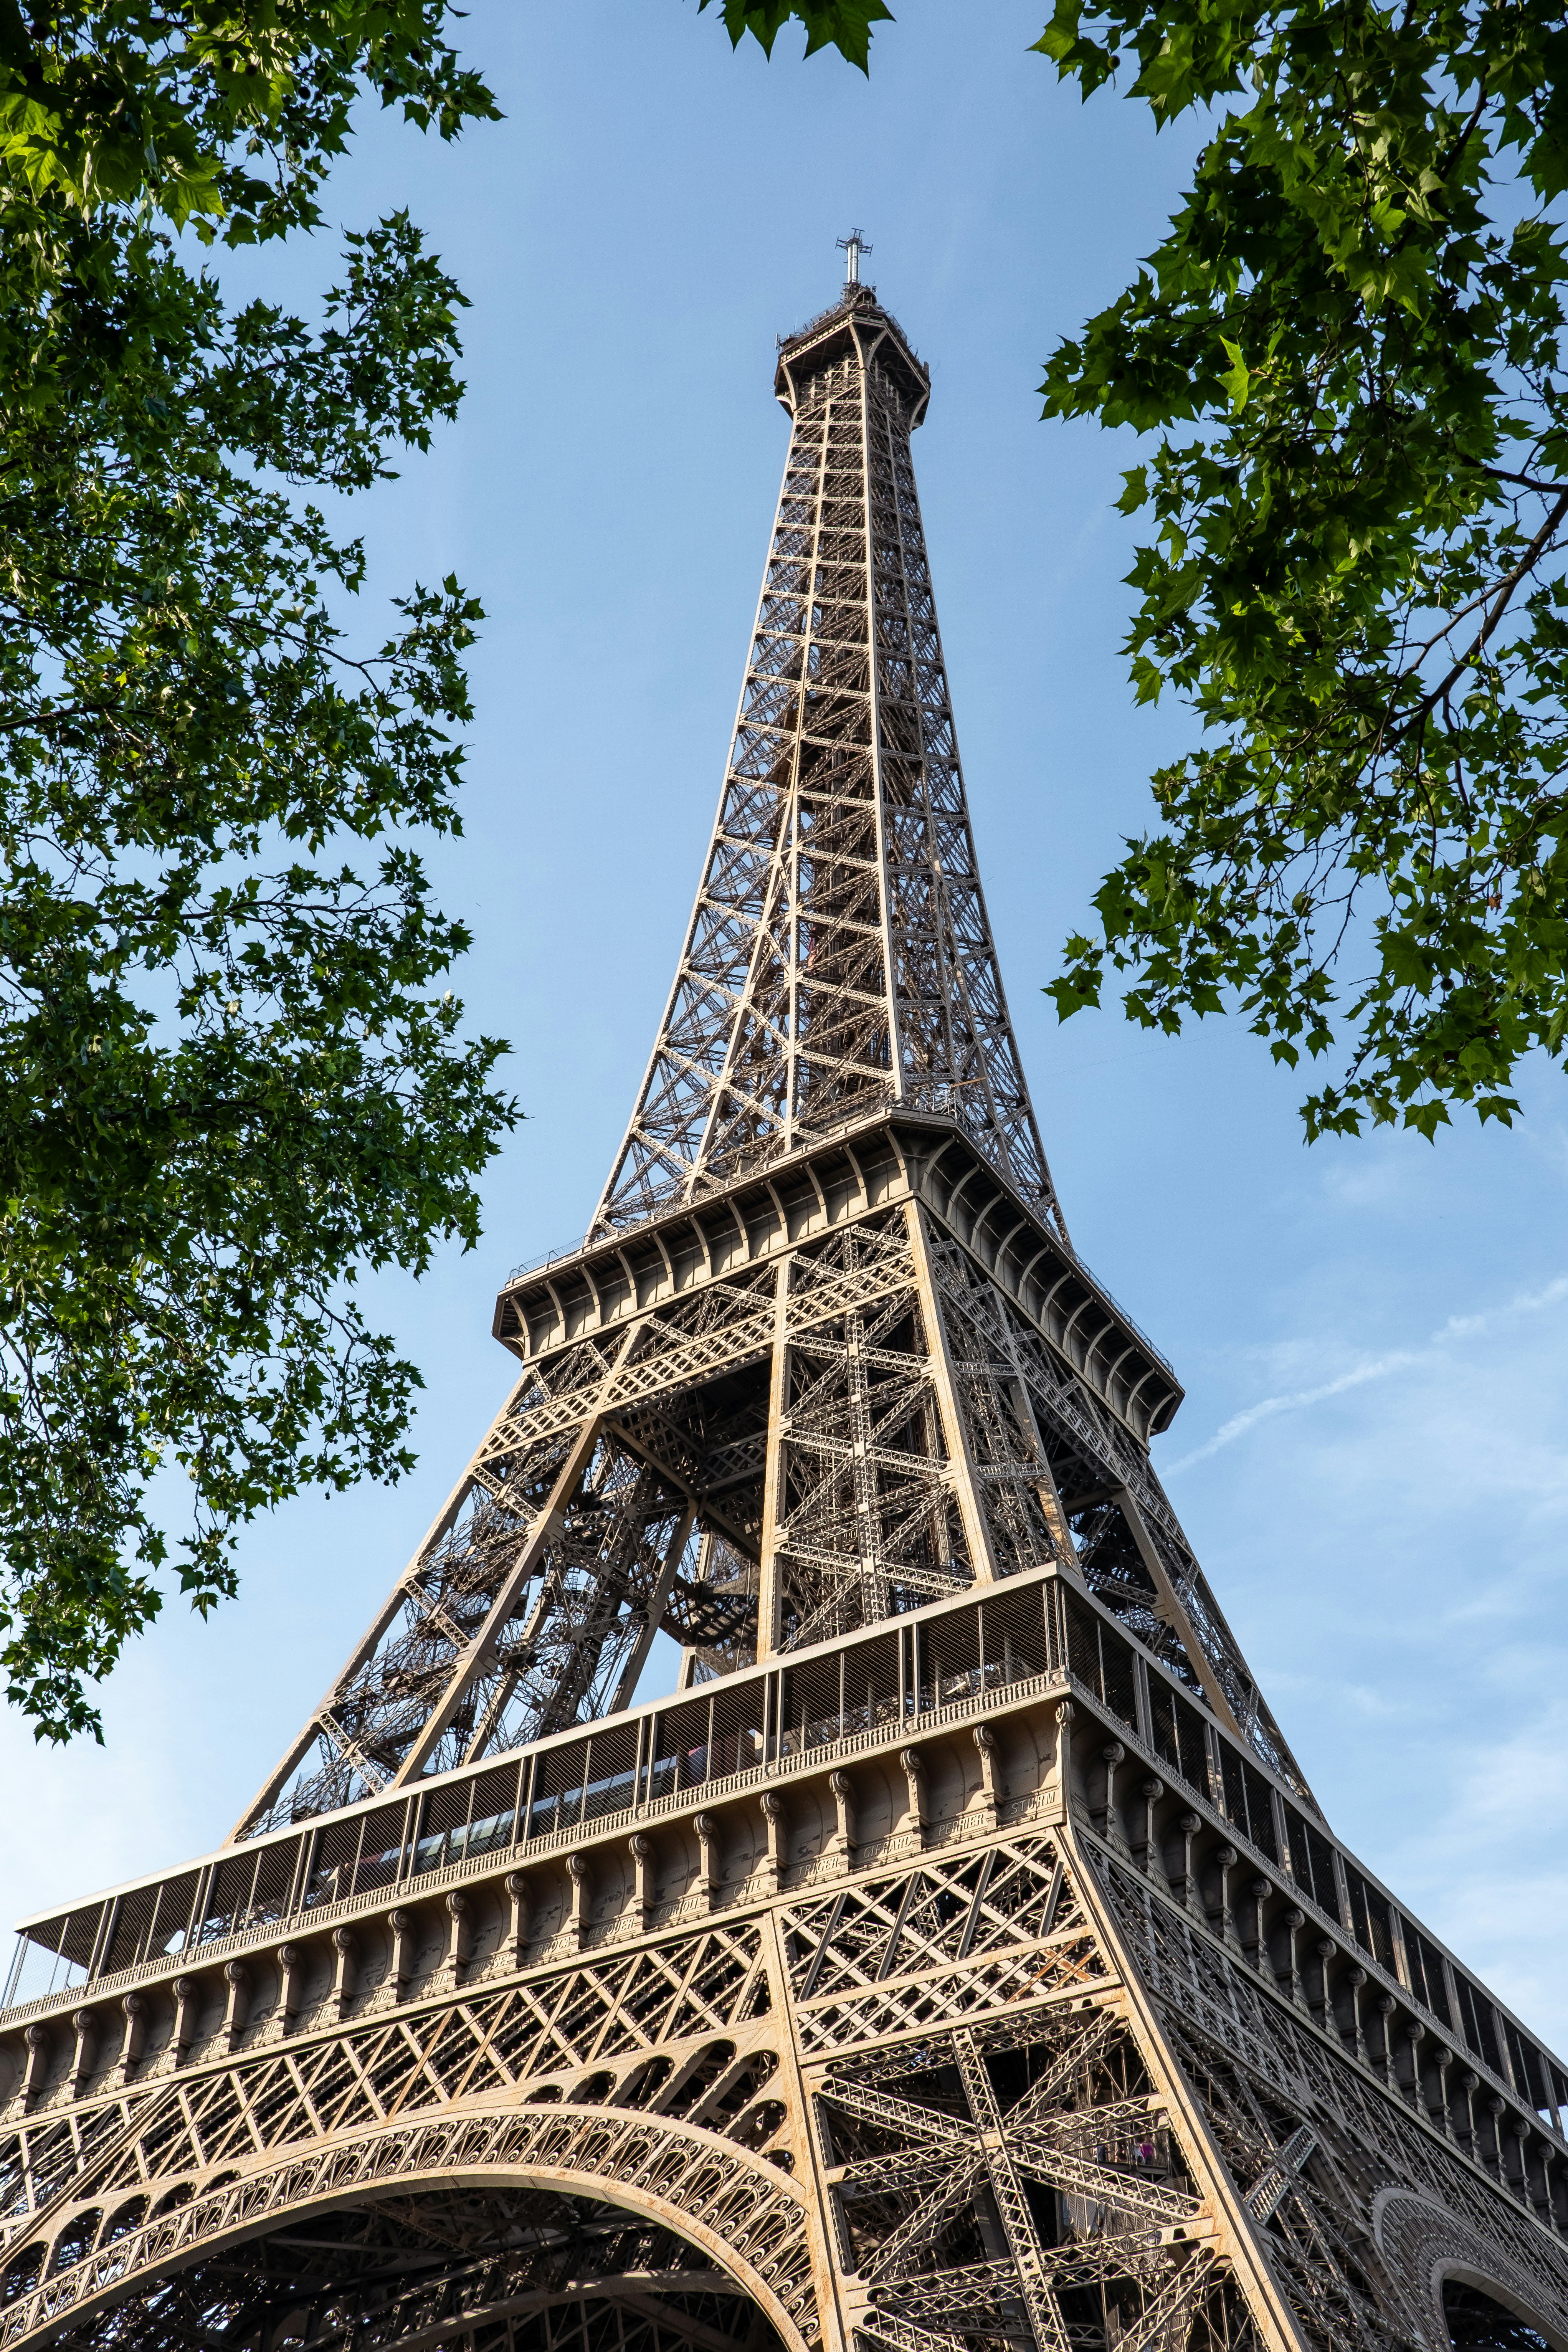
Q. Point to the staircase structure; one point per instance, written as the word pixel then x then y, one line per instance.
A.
pixel 958 1960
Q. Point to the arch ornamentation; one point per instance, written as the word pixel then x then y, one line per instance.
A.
pixel 747 2215
pixel 1425 2244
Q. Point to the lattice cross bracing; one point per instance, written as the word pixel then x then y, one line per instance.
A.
pixel 839 958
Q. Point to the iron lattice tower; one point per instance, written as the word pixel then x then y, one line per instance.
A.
pixel 958 1961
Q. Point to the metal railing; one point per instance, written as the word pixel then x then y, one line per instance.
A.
pixel 890 1733
pixel 559 1254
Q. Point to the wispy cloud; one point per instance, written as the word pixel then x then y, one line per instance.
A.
pixel 1377 1368
pixel 1531 1302
pixel 1268 1408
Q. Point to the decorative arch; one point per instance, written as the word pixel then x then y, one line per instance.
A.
pixel 1426 2245
pixel 745 2215
pixel 1462 2274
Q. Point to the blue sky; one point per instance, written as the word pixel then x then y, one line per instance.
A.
pixel 1374 1335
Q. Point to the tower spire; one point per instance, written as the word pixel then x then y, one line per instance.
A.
pixel 827 1355
pixel 840 956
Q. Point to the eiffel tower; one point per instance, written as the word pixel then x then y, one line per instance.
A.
pixel 957 1960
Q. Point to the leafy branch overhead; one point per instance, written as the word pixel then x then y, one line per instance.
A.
pixel 842 24
pixel 1347 352
pixel 231 116
pixel 231 1074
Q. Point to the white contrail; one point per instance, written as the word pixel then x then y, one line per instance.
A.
pixel 1457 1326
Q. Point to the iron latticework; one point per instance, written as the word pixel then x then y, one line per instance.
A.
pixel 839 958
pixel 957 1961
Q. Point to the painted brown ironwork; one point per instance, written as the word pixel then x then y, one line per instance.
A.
pixel 839 958
pixel 957 1961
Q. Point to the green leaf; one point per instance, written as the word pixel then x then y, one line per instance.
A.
pixel 1237 379
pixel 842 24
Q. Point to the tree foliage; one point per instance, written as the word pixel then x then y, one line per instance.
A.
pixel 1348 350
pixel 229 1077
pixel 842 24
